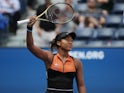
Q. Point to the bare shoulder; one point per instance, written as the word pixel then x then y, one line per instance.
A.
pixel 50 55
pixel 77 62
pixel 49 58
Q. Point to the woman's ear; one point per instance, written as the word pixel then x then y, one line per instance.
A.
pixel 58 43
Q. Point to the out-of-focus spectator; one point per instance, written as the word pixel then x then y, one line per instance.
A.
pixel 81 1
pixel 23 6
pixel 106 4
pixel 3 22
pixel 119 1
pixel 3 29
pixel 92 17
pixel 11 9
pixel 32 4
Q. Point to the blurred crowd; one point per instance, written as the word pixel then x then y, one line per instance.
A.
pixel 88 14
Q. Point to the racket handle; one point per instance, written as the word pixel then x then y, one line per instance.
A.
pixel 23 21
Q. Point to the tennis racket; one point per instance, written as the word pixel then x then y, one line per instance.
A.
pixel 56 13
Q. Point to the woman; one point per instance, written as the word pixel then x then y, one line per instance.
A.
pixel 61 67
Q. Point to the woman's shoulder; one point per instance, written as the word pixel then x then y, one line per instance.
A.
pixel 77 62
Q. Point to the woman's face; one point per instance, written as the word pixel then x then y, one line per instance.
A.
pixel 66 43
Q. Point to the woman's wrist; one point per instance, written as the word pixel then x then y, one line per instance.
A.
pixel 29 29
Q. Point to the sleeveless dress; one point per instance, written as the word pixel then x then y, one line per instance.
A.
pixel 60 75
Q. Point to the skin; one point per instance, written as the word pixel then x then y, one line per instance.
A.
pixel 65 45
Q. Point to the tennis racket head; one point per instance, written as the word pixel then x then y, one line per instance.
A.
pixel 60 13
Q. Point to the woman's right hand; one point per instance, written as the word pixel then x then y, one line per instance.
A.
pixel 32 21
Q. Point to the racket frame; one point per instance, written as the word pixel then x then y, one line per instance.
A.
pixel 45 12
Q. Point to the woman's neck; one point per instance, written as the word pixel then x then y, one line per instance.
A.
pixel 63 54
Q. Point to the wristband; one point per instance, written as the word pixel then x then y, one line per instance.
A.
pixel 29 29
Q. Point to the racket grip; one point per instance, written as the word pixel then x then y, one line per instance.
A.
pixel 22 21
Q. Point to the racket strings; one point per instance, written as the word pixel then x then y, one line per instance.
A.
pixel 59 14
pixel 52 14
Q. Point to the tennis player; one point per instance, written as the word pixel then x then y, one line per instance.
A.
pixel 61 67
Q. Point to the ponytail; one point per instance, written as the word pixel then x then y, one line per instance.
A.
pixel 53 44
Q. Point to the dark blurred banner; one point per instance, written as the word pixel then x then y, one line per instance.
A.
pixel 22 72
